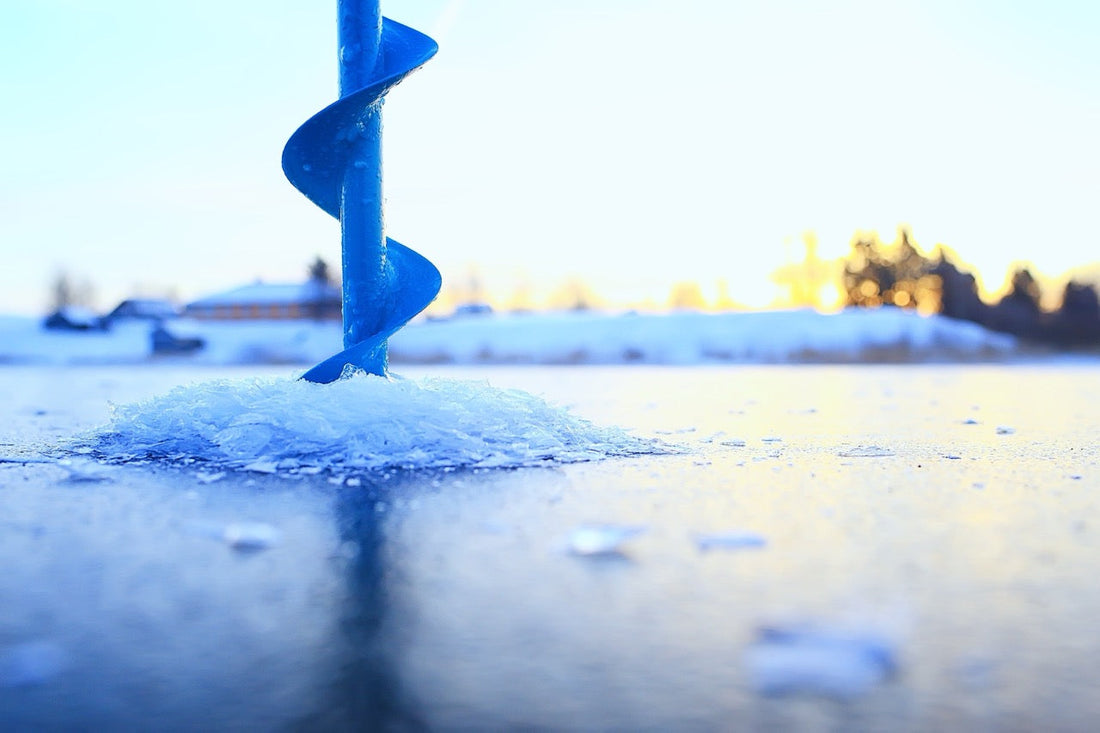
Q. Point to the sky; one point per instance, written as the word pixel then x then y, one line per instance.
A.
pixel 631 144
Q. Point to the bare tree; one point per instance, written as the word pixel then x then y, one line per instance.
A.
pixel 61 291
pixel 319 271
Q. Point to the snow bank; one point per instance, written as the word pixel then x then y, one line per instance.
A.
pixel 690 338
pixel 360 422
pixel 884 334
pixel 23 341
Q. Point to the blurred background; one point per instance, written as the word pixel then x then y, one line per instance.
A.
pixel 617 154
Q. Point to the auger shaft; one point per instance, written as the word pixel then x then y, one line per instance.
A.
pixel 362 224
pixel 335 159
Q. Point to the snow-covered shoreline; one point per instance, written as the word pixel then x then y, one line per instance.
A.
pixel 852 336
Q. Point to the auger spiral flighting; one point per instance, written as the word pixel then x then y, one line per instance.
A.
pixel 335 160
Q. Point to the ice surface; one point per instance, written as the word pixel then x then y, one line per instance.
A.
pixel 361 422
pixel 30 662
pixel 808 659
pixel 24 458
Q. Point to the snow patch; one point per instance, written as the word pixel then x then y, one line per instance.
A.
pixel 853 335
pixel 361 422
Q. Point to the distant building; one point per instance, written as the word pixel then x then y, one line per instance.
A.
pixel 143 309
pixel 465 310
pixel 311 300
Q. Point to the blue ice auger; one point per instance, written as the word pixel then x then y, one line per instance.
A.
pixel 335 160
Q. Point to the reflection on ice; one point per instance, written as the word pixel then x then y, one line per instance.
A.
pixel 360 422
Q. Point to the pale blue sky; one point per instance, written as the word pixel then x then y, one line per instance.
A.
pixel 633 144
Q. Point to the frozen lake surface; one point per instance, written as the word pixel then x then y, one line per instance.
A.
pixel 844 548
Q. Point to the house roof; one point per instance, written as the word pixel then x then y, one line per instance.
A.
pixel 271 294
pixel 144 308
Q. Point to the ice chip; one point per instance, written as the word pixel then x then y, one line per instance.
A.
pixel 734 540
pixel 262 466
pixel 866 451
pixel 1005 430
pixel 85 472
pixel 250 536
pixel 600 539
pixel 813 660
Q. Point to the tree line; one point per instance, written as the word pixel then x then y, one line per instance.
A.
pixel 902 276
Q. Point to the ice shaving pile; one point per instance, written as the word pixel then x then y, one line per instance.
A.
pixel 358 422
